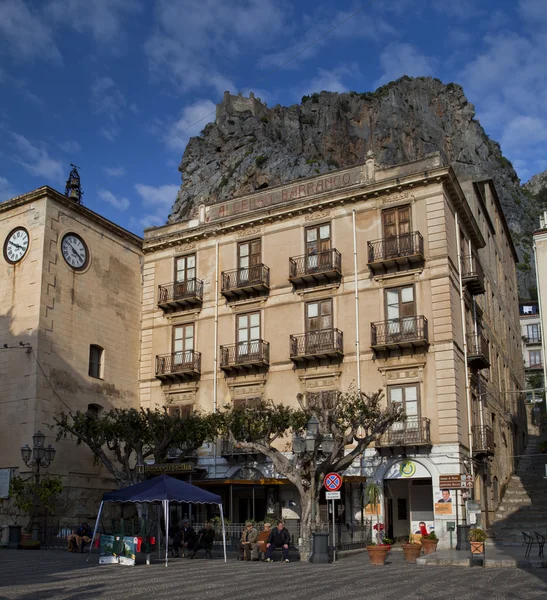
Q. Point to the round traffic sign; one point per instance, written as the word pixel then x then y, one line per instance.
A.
pixel 333 482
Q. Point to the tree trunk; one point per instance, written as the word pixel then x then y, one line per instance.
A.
pixel 305 527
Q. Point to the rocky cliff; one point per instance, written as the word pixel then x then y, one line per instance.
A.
pixel 251 146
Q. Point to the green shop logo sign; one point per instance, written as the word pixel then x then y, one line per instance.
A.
pixel 407 468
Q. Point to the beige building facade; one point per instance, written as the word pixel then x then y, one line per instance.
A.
pixel 388 278
pixel 540 255
pixel 70 300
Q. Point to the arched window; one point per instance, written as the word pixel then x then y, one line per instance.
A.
pixel 94 409
pixel 96 356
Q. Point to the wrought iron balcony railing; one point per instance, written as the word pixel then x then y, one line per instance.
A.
pixel 245 282
pixel 317 344
pixel 408 332
pixel 412 432
pixel 245 354
pixel 483 440
pixel 401 251
pixel 180 293
pixel 472 274
pixel 316 268
pixel 478 353
pixel 178 364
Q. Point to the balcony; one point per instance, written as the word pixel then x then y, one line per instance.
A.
pixel 472 274
pixel 314 345
pixel 178 365
pixel 478 353
pixel 535 339
pixel 396 334
pixel 412 432
pixel 314 269
pixel 180 295
pixel 483 440
pixel 400 252
pixel 231 451
pixel 242 283
pixel 245 356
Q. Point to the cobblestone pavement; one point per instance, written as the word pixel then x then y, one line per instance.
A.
pixel 55 574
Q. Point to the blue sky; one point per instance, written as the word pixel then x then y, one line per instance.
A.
pixel 112 85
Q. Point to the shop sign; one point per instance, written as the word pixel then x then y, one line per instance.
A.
pixel 407 469
pixel 168 468
pixel 455 482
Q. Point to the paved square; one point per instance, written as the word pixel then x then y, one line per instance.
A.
pixel 53 574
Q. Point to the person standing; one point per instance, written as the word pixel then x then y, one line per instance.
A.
pixel 279 538
pixel 247 542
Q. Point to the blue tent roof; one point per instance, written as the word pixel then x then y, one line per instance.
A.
pixel 162 488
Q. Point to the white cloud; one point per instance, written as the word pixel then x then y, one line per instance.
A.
pixel 103 19
pixel 330 81
pixel 110 132
pixel 70 147
pixel 114 171
pixel 24 34
pixel 193 41
pixel 34 157
pixel 192 120
pixel 157 203
pixel 106 98
pixel 118 203
pixel 400 59
pixel 6 190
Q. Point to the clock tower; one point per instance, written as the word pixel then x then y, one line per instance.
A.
pixel 70 299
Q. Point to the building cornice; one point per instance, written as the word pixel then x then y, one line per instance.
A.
pixel 47 192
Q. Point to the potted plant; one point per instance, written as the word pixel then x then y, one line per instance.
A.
pixel 429 543
pixel 377 553
pixel 477 537
pixel 411 549
pixel 543 447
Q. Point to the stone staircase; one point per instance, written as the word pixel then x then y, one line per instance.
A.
pixel 524 504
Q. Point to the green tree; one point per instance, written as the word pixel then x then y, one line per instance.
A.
pixel 35 498
pixel 122 438
pixel 349 420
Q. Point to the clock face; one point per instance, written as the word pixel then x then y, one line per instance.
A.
pixel 16 245
pixel 74 251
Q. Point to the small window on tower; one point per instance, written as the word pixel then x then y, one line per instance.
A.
pixel 96 355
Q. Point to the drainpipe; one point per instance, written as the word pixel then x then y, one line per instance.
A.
pixel 215 355
pixel 464 332
pixel 357 335
pixel 540 323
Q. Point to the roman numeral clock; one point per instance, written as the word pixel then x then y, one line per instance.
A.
pixel 75 251
pixel 16 245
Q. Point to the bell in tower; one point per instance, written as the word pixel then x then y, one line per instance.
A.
pixel 73 188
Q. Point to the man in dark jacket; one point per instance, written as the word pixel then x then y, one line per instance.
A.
pixel 206 537
pixel 279 538
pixel 184 538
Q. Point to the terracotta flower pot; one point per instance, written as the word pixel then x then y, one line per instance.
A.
pixel 429 546
pixel 378 554
pixel 29 544
pixel 477 547
pixel 411 552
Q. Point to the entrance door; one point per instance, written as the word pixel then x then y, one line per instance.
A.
pixel 319 326
pixel 396 224
pixel 318 243
pixel 248 261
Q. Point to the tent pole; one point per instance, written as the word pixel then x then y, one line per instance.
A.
pixel 223 530
pixel 166 512
pixel 95 530
pixel 159 530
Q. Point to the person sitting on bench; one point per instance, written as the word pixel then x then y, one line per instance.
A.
pixel 184 538
pixel 262 540
pixel 246 547
pixel 81 537
pixel 279 538
pixel 206 537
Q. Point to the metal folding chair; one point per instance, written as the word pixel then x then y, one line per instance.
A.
pixel 528 542
pixel 541 542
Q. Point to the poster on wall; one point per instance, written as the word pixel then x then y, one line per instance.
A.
pixel 423 527
pixel 373 510
pixel 443 502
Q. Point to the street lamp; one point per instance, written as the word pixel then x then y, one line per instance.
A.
pixel 38 456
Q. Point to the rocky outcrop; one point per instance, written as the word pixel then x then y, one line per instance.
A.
pixel 251 146
pixel 537 185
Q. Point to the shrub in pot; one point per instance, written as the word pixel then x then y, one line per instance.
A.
pixel 477 537
pixel 411 549
pixel 429 543
pixel 377 553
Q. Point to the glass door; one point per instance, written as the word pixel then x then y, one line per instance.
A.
pixel 248 335
pixel 318 242
pixel 183 345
